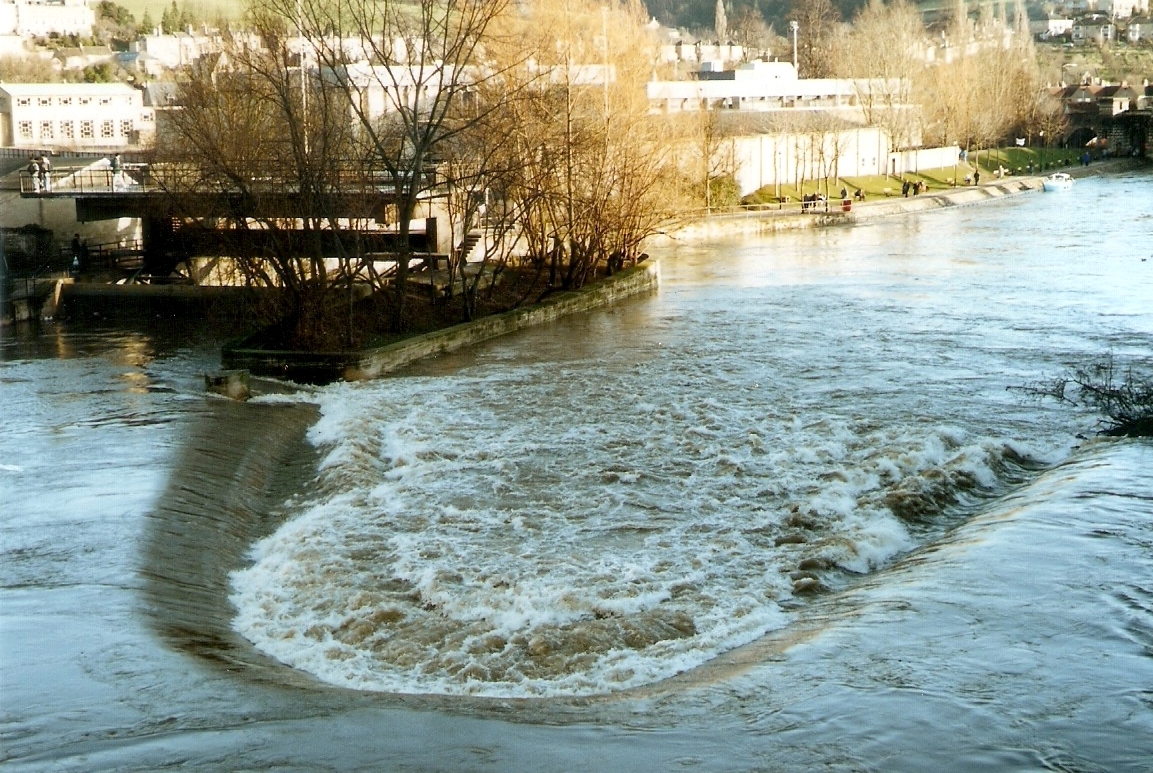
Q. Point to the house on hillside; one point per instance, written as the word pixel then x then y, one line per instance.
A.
pixel 83 57
pixel 1122 9
pixel 1140 29
pixel 1094 29
pixel 38 19
pixel 1050 28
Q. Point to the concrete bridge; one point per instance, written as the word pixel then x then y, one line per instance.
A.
pixel 180 219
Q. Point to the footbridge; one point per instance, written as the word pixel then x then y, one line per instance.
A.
pixel 181 217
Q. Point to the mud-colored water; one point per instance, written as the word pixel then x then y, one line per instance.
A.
pixel 784 515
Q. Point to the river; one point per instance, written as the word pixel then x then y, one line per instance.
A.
pixel 789 513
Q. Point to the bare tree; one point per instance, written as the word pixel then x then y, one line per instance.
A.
pixel 252 170
pixel 406 70
pixel 882 52
pixel 587 183
pixel 820 24
pixel 752 33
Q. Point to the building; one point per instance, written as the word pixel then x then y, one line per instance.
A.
pixel 73 116
pixel 1050 28
pixel 764 87
pixel 1094 29
pixel 41 18
pixel 176 51
pixel 1123 9
pixel 1140 29
pixel 82 57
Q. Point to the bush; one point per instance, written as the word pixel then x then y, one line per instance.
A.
pixel 1121 394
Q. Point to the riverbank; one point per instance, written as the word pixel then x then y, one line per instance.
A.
pixel 760 220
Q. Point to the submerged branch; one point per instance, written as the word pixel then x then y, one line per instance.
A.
pixel 1122 395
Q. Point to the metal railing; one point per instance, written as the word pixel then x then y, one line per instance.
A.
pixel 146 178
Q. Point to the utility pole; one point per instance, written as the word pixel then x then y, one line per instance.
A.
pixel 794 26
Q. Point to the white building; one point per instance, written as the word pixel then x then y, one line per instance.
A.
pixel 763 87
pixel 1123 9
pixel 73 116
pixel 1046 29
pixel 1139 29
pixel 176 51
pixel 40 18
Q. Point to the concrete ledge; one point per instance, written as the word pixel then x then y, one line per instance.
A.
pixel 318 367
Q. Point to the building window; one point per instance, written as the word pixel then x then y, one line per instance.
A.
pixel 46 132
pixel 86 130
pixel 126 128
pixel 25 129
pixel 44 101
pixel 66 130
pixel 106 100
pixel 107 130
pixel 66 100
pixel 85 100
pixel 146 116
pixel 23 101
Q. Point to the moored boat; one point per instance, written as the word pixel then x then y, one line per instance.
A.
pixel 1058 181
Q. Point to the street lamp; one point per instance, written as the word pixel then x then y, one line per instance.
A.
pixel 794 26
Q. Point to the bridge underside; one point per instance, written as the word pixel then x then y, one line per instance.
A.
pixel 175 228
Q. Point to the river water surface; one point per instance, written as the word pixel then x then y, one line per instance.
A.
pixel 786 514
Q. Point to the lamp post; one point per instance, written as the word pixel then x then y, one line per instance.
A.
pixel 794 26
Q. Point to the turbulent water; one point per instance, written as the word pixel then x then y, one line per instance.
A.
pixel 788 512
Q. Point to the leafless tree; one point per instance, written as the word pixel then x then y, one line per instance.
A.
pixel 752 33
pixel 586 181
pixel 252 170
pixel 820 24
pixel 407 70
pixel 883 53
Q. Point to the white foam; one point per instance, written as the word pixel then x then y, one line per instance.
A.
pixel 519 532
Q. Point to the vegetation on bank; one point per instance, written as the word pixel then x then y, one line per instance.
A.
pixel 1014 161
pixel 1122 393
pixel 565 170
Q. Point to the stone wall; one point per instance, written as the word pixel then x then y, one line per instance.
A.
pixel 372 363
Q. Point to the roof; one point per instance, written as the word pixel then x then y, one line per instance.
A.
pixel 161 93
pixel 65 89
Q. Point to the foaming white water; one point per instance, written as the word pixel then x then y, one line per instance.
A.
pixel 508 533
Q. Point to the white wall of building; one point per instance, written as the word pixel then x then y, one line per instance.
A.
pixel 769 159
pixel 34 18
pixel 1123 9
pixel 786 159
pixel 73 116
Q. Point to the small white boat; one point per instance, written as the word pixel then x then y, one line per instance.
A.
pixel 1058 181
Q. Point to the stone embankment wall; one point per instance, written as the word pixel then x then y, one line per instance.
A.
pixel 372 363
pixel 769 221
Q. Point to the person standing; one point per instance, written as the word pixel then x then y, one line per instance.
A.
pixel 77 254
pixel 34 173
pixel 117 173
pixel 45 173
